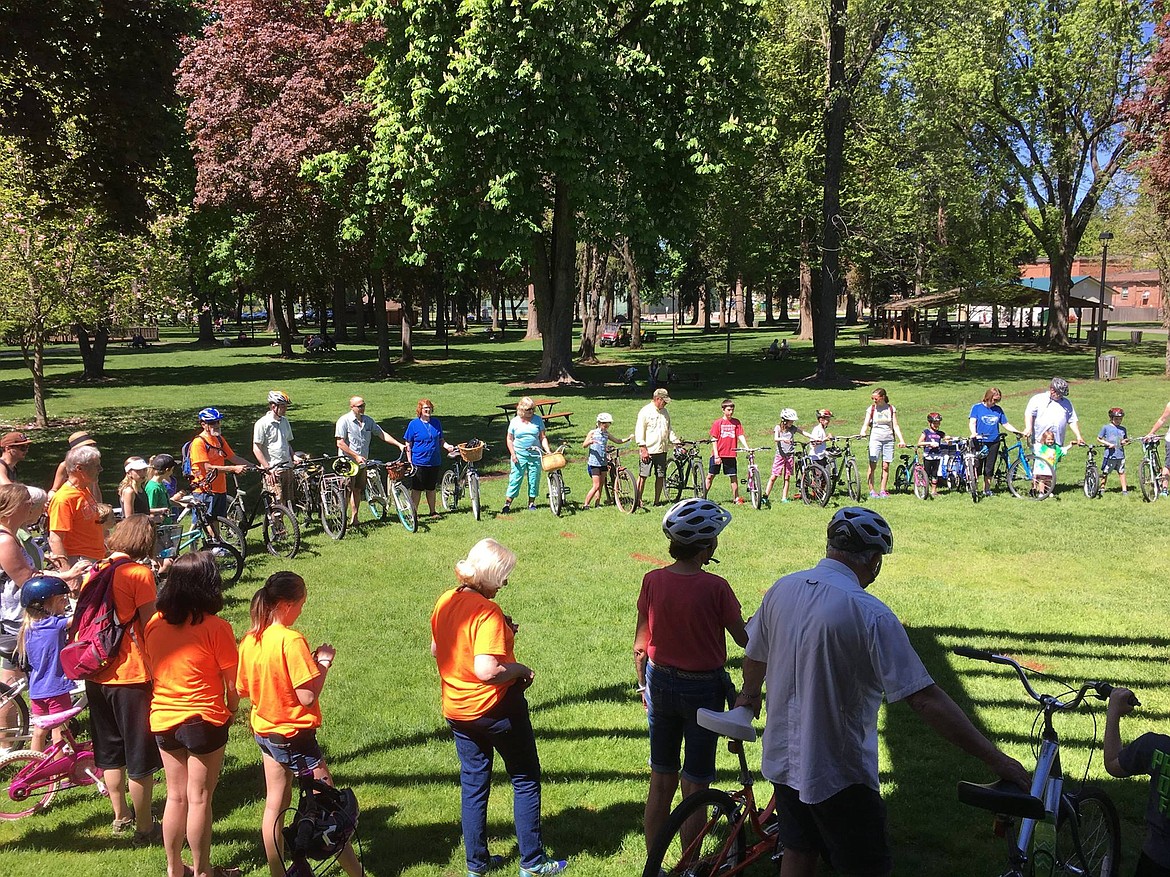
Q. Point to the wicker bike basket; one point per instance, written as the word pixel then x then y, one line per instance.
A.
pixel 549 462
pixel 395 471
pixel 470 454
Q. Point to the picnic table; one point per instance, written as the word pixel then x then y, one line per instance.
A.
pixel 544 407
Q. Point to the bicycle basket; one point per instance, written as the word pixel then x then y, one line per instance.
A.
pixel 470 453
pixel 396 471
pixel 550 462
pixel 166 543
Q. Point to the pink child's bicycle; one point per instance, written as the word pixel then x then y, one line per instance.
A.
pixel 29 780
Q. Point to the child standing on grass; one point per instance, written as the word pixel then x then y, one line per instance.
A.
pixel 820 435
pixel 1048 454
pixel 931 441
pixel 42 636
pixel 283 679
pixel 598 441
pixel 784 463
pixel 1114 437
pixel 1148 755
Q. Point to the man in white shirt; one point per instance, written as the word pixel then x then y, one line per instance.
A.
pixel 831 652
pixel 355 430
pixel 1051 410
pixel 272 438
pixel 653 434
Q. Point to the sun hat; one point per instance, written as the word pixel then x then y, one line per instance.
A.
pixel 604 418
pixel 14 440
pixel 81 438
pixel 661 393
pixel 135 464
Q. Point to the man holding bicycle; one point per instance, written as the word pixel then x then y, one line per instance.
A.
pixel 831 653
pixel 1051 410
pixel 652 433
pixel 354 433
pixel 272 445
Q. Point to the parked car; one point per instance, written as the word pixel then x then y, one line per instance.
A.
pixel 614 335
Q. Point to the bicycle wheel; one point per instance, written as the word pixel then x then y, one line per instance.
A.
pixel 675 480
pixel 1148 479
pixel 1019 481
pixel 719 842
pixel 334 516
pixel 402 505
pixel 1092 482
pixel 228 561
pixel 449 491
pixel 282 533
pixel 235 509
pixel 815 486
pixel 753 486
pixel 556 492
pixel 623 491
pixel 13 718
pixel 376 498
pixel 23 800
pixel 902 479
pixel 698 482
pixel 231 533
pixel 473 492
pixel 852 477
pixel 1088 835
pixel 921 481
pixel 969 463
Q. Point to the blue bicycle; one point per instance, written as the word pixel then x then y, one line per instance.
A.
pixel 1015 470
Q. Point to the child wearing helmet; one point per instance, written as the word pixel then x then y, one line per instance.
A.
pixel 680 650
pixel 784 463
pixel 45 599
pixel 820 435
pixel 598 441
pixel 1114 437
pixel 932 440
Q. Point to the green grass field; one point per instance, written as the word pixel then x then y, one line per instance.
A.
pixel 1069 585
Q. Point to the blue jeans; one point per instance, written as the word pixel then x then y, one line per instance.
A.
pixel 506 729
pixel 674 696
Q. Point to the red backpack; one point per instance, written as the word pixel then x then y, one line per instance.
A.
pixel 95 634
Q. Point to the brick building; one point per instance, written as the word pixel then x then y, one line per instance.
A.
pixel 1137 292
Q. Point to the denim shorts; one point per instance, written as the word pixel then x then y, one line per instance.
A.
pixel 198 736
pixel 301 753
pixel 673 697
pixel 881 449
pixel 1113 464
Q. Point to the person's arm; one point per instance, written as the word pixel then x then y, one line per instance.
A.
pixel 62 476
pixel 1153 429
pixel 511 445
pixel 640 436
pixel 641 642
pixel 261 457
pixel 14 561
pixel 491 670
pixel 1074 422
pixel 1120 704
pixel 588 439
pixel 866 421
pixel 4 479
pixel 751 694
pixel 897 429
pixel 344 447
pixel 738 631
pixel 308 693
pixel 126 500
pixel 935 707
pixel 231 696
pixel 544 442
pixel 972 426
pixel 402 446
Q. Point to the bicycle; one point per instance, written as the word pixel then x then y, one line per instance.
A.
pixel 15 731
pixel 30 779
pixel 821 478
pixel 727 831
pixel 685 472
pixel 972 466
pixel 1087 831
pixel 282 533
pixel 553 464
pixel 1017 473
pixel 174 539
pixel 619 482
pixel 1150 473
pixel 755 487
pixel 319 496
pixel 463 478
pixel 1092 483
pixel 911 476
pixel 395 472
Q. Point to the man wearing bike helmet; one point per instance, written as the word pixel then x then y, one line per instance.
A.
pixel 832 652
pixel 272 438
pixel 680 650
pixel 211 459
pixel 1051 410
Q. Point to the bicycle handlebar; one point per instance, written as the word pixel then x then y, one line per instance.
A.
pixel 1101 690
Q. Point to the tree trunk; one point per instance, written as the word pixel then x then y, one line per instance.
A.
pixel 634 281
pixel 551 290
pixel 532 330
pixel 290 316
pixel 741 319
pixel 784 303
pixel 385 368
pixel 593 279
pixel 851 318
pixel 340 323
pixel 206 327
pixel 749 308
pixel 769 314
pixel 1060 269
pixel 806 285
pixel 93 354
pixel 702 308
pixel 359 321
pixel 276 312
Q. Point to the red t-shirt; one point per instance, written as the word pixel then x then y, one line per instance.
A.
pixel 725 433
pixel 688 617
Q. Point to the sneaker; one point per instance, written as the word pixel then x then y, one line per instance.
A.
pixel 494 864
pixel 739 500
pixel 148 838
pixel 785 500
pixel 1164 493
pixel 884 495
pixel 987 493
pixel 123 826
pixel 873 494
pixel 507 508
pixel 1125 493
pixel 531 506
pixel 548 866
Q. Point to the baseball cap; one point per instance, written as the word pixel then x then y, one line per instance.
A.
pixel 80 438
pixel 661 393
pixel 1059 385
pixel 14 439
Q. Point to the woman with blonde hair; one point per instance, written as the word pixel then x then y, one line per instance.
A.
pixel 526 439
pixel 132 490
pixel 483 702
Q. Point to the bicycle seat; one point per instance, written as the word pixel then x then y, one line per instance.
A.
pixel 54 720
pixel 736 723
pixel 1003 797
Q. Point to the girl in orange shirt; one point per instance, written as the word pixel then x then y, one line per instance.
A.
pixel 192 652
pixel 283 679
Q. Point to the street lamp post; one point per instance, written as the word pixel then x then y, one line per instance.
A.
pixel 1106 237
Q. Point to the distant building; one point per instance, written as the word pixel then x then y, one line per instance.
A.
pixel 1137 292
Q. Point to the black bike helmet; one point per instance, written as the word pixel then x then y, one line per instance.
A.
pixel 1117 412
pixel 323 824
pixel 857 530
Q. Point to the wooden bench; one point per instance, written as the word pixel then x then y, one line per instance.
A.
pixel 564 414
pixel 692 381
pixel 148 333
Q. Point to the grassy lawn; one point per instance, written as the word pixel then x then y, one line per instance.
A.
pixel 1071 586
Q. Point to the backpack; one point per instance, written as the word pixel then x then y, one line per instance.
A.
pixel 95 634
pixel 187 456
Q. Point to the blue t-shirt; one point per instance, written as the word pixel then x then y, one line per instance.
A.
pixel 526 436
pixel 598 447
pixel 43 645
pixel 1115 435
pixel 987 421
pixel 426 441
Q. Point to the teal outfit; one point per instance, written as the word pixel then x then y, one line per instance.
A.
pixel 526 444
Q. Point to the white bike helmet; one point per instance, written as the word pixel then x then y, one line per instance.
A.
pixel 278 397
pixel 857 530
pixel 604 418
pixel 694 520
pixel 788 414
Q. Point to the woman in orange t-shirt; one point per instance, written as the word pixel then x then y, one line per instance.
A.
pixel 483 703
pixel 192 653
pixel 283 679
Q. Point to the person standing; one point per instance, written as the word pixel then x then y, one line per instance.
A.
pixel 526 439
pixel 76 440
pixel 1114 437
pixel 473 644
pixel 1163 418
pixel 211 459
pixel 75 520
pixel 881 424
pixel 424 437
pixel 985 424
pixel 652 433
pixel 1051 410
pixel 831 652
pixel 354 432
pixel 680 650
pixel 726 434
pixel 272 439
pixel 132 490
pixel 13 450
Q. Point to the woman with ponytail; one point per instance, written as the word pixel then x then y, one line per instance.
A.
pixel 283 679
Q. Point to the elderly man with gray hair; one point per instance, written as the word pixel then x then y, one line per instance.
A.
pixel 75 515
pixel 831 653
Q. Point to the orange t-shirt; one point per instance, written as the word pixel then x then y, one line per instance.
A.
pixel 464 624
pixel 133 587
pixel 73 514
pixel 215 451
pixel 271 669
pixel 190 663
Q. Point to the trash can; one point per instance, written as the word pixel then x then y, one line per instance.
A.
pixel 1091 338
pixel 863 338
pixel 1135 337
pixel 1107 366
